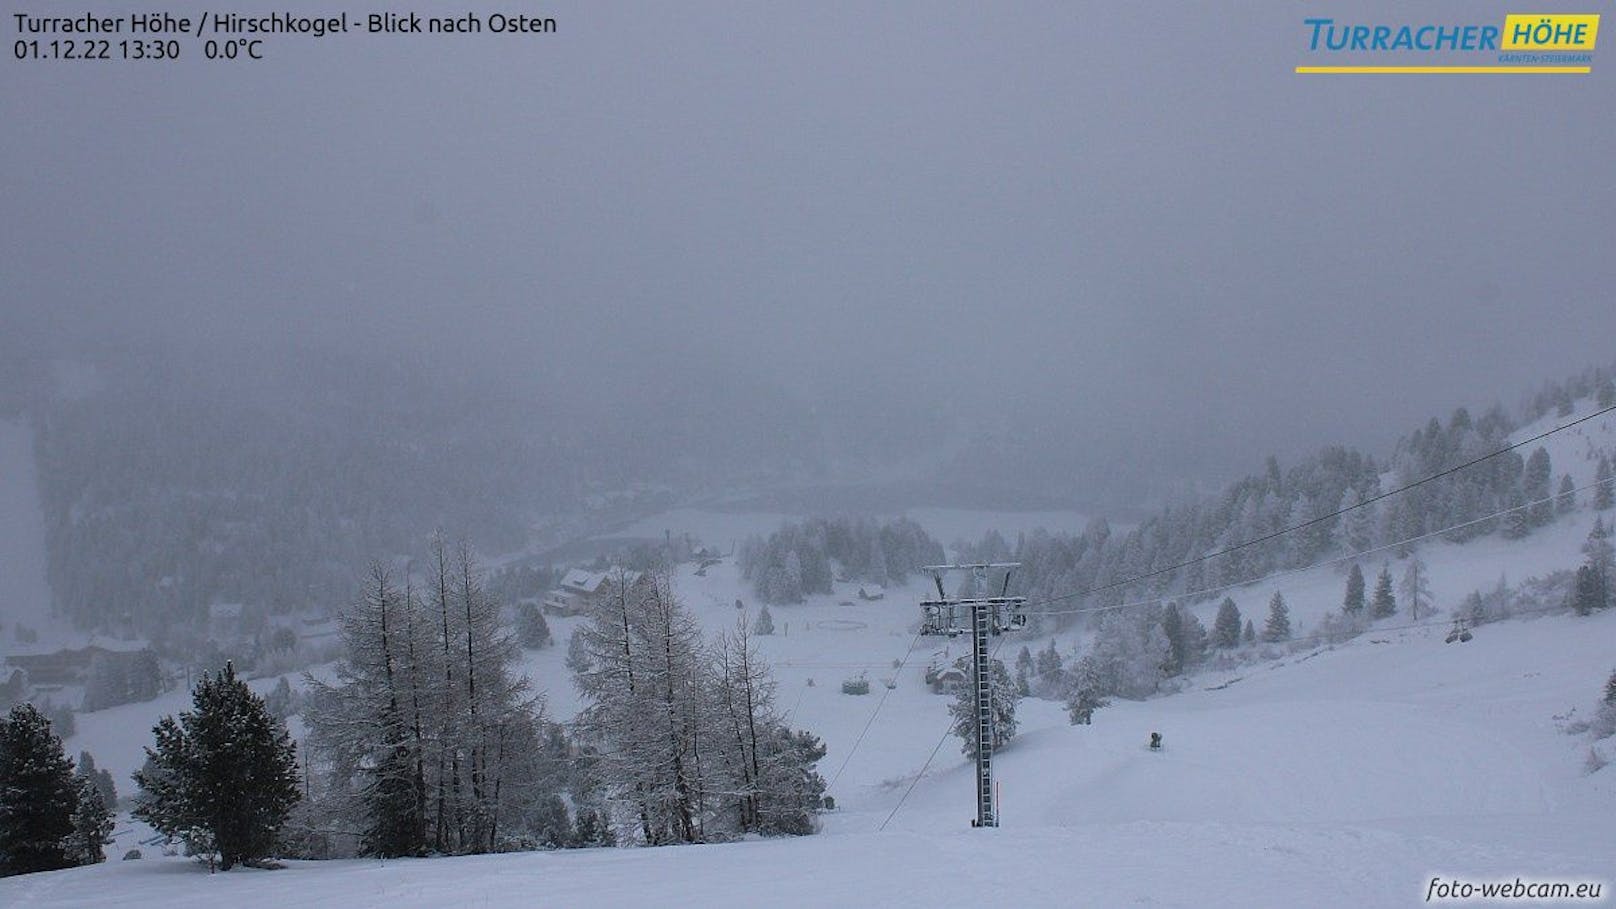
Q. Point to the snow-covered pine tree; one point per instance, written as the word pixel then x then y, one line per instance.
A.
pixel 1415 588
pixel 223 777
pixel 1353 603
pixel 1249 635
pixel 1518 520
pixel 1226 627
pixel 1535 486
pixel 1177 653
pixel 1566 501
pixel 531 628
pixel 963 710
pixel 1048 664
pixel 1384 602
pixel 1587 593
pixel 764 625
pixel 1605 484
pixel 102 779
pixel 92 824
pixel 1278 627
pixel 38 795
pixel 1087 692
pixel 1024 671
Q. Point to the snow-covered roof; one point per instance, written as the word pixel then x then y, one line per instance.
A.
pixel 593 581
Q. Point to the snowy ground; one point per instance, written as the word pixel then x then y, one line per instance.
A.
pixel 1344 777
pixel 1333 777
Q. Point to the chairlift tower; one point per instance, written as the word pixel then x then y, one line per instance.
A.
pixel 983 616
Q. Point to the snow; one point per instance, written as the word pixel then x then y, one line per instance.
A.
pixel 1346 776
pixel 1333 777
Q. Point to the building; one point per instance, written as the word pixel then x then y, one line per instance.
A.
pixel 580 590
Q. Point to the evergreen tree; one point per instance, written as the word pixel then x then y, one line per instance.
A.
pixel 1566 501
pixel 38 795
pixel 92 824
pixel 1226 627
pixel 1415 588
pixel 101 778
pixel 1173 627
pixel 1024 671
pixel 1249 635
pixel 279 700
pixel 1605 490
pixel 1087 693
pixel 1610 690
pixel 531 629
pixel 1587 592
pixel 1384 603
pixel 1607 392
pixel 223 777
pixel 1278 627
pixel 763 626
pixel 1518 520
pixel 1353 604
pixel 1535 487
pixel 963 710
pixel 1048 665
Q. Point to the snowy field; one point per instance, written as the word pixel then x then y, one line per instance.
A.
pixel 1344 777
pixel 1332 777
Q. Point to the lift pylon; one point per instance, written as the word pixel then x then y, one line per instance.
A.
pixel 984 616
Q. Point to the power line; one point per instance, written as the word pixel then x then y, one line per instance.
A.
pixel 876 712
pixel 1331 516
pixel 1317 636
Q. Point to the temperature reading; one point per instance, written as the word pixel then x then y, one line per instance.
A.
pixel 233 49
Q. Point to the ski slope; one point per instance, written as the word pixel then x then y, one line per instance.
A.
pixel 1344 776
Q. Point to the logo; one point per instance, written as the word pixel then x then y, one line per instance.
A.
pixel 1525 43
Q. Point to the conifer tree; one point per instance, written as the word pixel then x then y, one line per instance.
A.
pixel 764 624
pixel 1087 693
pixel 1415 588
pixel 1566 501
pixel 223 777
pixel 963 710
pixel 38 795
pixel 1173 628
pixel 531 628
pixel 1605 488
pixel 1249 635
pixel 92 824
pixel 1278 627
pixel 1535 487
pixel 1226 627
pixel 1384 603
pixel 1353 603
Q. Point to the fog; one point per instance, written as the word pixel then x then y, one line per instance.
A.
pixel 1124 242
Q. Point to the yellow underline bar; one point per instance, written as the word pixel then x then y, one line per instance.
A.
pixel 1444 70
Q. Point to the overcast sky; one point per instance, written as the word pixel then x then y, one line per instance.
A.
pixel 1132 217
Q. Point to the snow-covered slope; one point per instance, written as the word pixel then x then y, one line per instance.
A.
pixel 1346 776
pixel 1342 777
